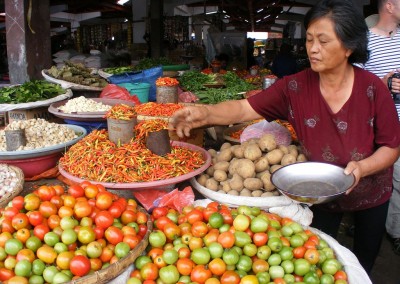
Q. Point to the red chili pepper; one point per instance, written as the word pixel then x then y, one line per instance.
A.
pixel 166 81
pixel 121 111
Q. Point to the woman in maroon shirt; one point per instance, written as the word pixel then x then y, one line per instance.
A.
pixel 341 114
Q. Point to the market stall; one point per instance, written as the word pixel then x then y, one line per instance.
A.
pixel 120 206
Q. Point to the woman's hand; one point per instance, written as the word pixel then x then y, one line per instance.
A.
pixel 188 118
pixel 353 168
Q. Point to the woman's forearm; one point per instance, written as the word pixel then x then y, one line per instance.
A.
pixel 383 158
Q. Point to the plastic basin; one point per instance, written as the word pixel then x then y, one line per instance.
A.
pixel 35 166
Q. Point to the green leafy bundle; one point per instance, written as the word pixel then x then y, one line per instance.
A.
pixel 32 91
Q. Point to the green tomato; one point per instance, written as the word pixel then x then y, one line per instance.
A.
pixel 263 252
pixel 216 250
pixel 142 260
pixel 331 266
pixel 287 231
pixel 200 256
pixel 60 247
pixel 230 256
pixel 327 279
pixel 3 254
pixel 263 277
pixel 49 273
pixel 170 256
pixel 67 222
pixel 216 220
pixel 301 266
pixel 244 209
pixel 275 244
pixel 274 259
pixel 288 266
pixel 38 267
pixel 36 279
pixel 311 278
pixel 258 225
pixel 242 238
pixel 296 241
pixel 169 274
pixel 13 246
pixel 276 271
pixel 86 235
pixel 289 278
pixel 245 263
pixel 61 277
pixel 296 227
pixel 255 211
pixel 250 249
pixel 68 237
pixel 23 268
pixel 286 253
pixel 157 239
pixel 241 222
pixel 121 249
pixel 51 239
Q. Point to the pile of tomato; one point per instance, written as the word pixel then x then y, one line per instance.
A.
pixel 57 234
pixel 245 245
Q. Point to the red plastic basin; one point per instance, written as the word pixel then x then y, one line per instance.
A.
pixel 35 166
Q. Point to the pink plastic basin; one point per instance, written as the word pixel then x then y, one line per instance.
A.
pixel 35 166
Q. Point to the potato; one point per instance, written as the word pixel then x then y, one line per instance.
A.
pixel 223 166
pixel 225 155
pixel 252 152
pixel 293 150
pixel 225 186
pixel 245 168
pixel 259 175
pixel 256 193
pixel 301 158
pixel 267 142
pixel 267 194
pixel 221 191
pixel 261 164
pixel 245 192
pixel 233 192
pixel 253 183
pixel 220 175
pixel 284 149
pixel 276 193
pixel 202 179
pixel 236 182
pixel 212 184
pixel 274 157
pixel 226 145
pixel 288 159
pixel 233 165
pixel 212 152
pixel 210 171
pixel 274 168
pixel 267 184
pixel 238 152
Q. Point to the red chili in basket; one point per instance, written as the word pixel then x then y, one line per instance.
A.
pixel 156 109
pixel 121 111
pixel 166 81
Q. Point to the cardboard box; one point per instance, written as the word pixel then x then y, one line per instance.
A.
pixel 25 114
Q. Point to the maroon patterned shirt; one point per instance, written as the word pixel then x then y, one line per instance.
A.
pixel 366 121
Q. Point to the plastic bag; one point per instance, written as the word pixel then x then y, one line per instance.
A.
pixel 281 133
pixel 145 76
pixel 151 198
pixel 112 91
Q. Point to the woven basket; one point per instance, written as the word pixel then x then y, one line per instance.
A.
pixel 17 189
pixel 117 268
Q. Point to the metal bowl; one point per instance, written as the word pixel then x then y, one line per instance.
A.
pixel 312 182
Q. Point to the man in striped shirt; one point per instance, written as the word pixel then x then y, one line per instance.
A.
pixel 384 61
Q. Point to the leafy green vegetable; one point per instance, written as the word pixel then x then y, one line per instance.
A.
pixel 193 80
pixel 147 63
pixel 32 91
pixel 118 70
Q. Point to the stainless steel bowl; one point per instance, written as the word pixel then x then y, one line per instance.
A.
pixel 312 182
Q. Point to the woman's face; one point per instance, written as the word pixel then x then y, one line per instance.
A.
pixel 324 49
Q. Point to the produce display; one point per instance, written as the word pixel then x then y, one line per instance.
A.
pixel 118 70
pixel 246 169
pixel 96 158
pixel 121 111
pixel 8 179
pixel 215 244
pixel 53 235
pixel 82 104
pixel 32 91
pixel 39 133
pixel 77 73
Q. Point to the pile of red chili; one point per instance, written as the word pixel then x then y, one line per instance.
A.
pixel 121 111
pixel 166 81
pixel 146 126
pixel 96 158
pixel 156 109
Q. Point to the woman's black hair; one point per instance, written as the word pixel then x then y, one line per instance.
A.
pixel 349 24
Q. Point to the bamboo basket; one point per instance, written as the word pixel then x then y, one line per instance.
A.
pixel 17 189
pixel 115 269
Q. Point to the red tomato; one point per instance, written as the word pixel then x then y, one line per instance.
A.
pixel 260 239
pixel 91 191
pixel 82 209
pixel 159 212
pixel 20 221
pixel 99 232
pixel 113 235
pixel 18 202
pixel 41 230
pixel 128 216
pixel 142 230
pixel 6 226
pixel 103 219
pixel 185 266
pixel 76 191
pixel 6 274
pixel 46 192
pixel 104 200
pixel 230 277
pixel 194 215
pixel 141 218
pixel 10 212
pixel 200 274
pixel 80 265
pixel 115 210
pixel 47 209
pixel 35 217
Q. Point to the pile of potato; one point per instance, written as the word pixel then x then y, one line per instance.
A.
pixel 246 169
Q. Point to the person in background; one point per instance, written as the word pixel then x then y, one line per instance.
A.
pixel 251 61
pixel 342 115
pixel 384 61
pixel 284 63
